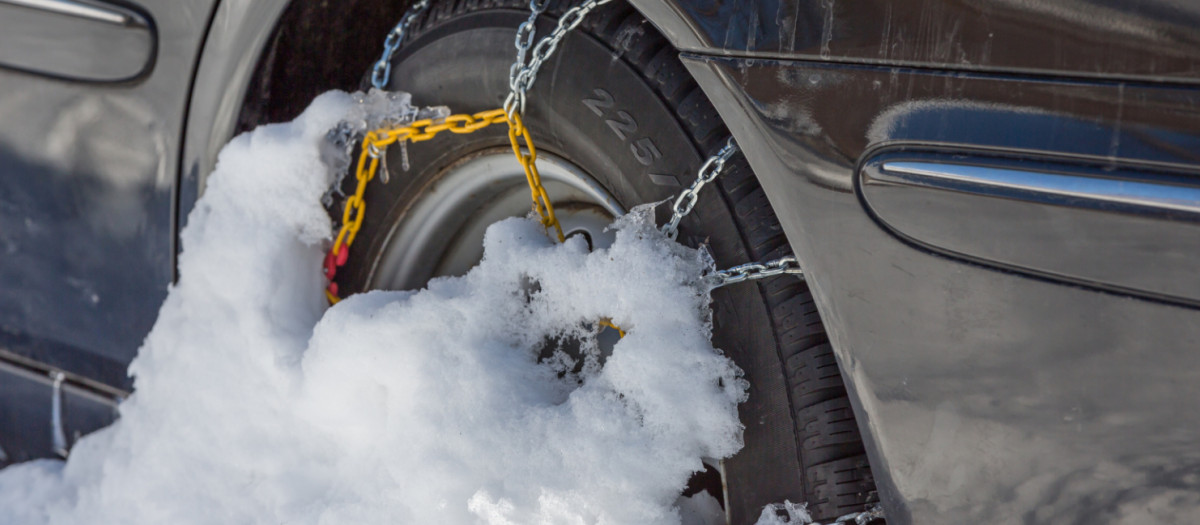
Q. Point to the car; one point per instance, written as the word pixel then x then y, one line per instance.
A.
pixel 996 206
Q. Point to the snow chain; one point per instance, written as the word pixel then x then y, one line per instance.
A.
pixel 522 76
pixel 373 146
pixel 687 198
pixel 383 67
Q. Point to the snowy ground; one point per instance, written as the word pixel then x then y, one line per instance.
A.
pixel 256 404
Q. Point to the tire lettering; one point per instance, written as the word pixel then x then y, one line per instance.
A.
pixel 622 127
pixel 660 179
pixel 598 105
pixel 645 151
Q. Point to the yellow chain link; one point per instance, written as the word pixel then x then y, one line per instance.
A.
pixel 608 322
pixel 376 142
pixel 541 201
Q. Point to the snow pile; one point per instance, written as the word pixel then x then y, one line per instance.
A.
pixel 255 404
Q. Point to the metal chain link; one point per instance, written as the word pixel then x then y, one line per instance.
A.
pixel 522 75
pixel 527 156
pixel 687 199
pixel 865 517
pixel 756 270
pixel 862 518
pixel 525 35
pixel 383 67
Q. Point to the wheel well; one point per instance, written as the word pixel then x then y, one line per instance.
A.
pixel 316 46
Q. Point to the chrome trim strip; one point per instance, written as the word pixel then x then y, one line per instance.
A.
pixel 77 9
pixel 93 387
pixel 57 432
pixel 1115 191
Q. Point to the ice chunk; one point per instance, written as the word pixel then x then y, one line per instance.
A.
pixel 369 111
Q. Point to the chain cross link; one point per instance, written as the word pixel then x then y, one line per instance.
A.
pixel 787 265
pixel 522 75
pixel 687 199
pixel 383 67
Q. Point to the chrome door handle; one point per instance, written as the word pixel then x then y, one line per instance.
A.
pixel 1118 192
pixel 79 9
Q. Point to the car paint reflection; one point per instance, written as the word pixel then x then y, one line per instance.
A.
pixel 986 396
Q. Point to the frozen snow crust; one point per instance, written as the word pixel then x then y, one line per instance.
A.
pixel 256 404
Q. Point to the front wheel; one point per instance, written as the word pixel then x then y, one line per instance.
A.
pixel 618 122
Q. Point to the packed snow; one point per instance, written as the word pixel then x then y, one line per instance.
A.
pixel 255 403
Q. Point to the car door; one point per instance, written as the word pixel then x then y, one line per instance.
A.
pixel 997 205
pixel 92 104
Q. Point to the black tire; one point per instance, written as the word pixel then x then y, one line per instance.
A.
pixel 802 442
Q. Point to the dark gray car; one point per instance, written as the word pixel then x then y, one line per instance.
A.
pixel 996 205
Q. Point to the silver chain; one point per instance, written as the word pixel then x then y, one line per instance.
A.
pixel 521 75
pixel 756 270
pixel 862 518
pixel 687 200
pixel 383 67
pixel 525 35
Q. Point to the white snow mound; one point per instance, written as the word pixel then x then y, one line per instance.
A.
pixel 256 404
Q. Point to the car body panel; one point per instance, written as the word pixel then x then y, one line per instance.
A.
pixel 100 42
pixel 1002 369
pixel 27 425
pixel 88 176
pixel 985 395
pixel 1145 39
pixel 239 33
pixel 26 399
